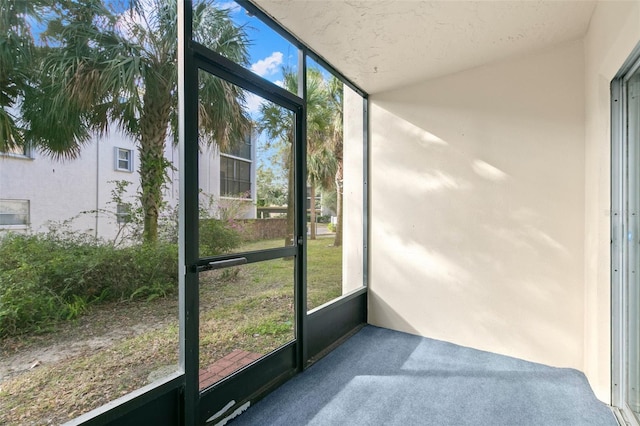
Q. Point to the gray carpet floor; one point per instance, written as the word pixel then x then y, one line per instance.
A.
pixel 385 377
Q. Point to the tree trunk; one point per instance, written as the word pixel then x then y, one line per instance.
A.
pixel 337 242
pixel 288 238
pixel 153 133
pixel 312 213
pixel 338 152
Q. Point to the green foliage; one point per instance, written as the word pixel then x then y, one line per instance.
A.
pixel 269 326
pixel 97 68
pixel 329 200
pixel 324 219
pixel 219 233
pixel 217 236
pixel 230 274
pixel 46 278
pixel 272 188
pixel 331 227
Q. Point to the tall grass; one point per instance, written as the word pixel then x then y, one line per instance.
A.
pixel 45 278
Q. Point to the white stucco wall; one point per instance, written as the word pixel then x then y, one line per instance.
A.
pixel 60 190
pixel 353 226
pixel 613 33
pixel 477 207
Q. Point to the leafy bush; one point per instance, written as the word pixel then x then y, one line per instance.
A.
pixel 217 236
pixel 55 276
pixel 324 218
pixel 331 227
pixel 45 278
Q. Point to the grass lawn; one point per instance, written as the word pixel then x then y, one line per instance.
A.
pixel 248 307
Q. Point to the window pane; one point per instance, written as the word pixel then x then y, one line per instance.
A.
pixel 633 291
pixel 241 37
pixel 334 187
pixel 235 178
pixel 243 171
pixel 88 310
pixel 240 148
pixel 16 150
pixel 245 205
pixel 14 212
pixel 246 313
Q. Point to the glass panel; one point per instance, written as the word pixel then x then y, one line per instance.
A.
pixel 14 212
pixel 246 312
pixel 240 148
pixel 241 37
pixel 88 311
pixel 244 202
pixel 334 187
pixel 633 291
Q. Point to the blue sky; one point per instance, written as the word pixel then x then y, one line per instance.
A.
pixel 269 52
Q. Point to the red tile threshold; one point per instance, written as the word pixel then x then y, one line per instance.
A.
pixel 225 366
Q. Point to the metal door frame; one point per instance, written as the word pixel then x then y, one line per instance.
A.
pixel 279 365
pixel 625 231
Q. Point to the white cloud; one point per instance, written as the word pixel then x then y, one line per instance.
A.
pixel 268 65
pixel 133 22
pixel 253 103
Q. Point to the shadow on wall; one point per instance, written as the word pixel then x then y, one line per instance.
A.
pixel 478 208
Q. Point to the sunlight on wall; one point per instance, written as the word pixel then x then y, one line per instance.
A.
pixel 478 208
pixel 487 171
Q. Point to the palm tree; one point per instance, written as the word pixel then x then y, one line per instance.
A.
pixel 17 54
pixel 107 69
pixel 321 163
pixel 336 99
pixel 279 126
pixel 278 123
pixel 321 169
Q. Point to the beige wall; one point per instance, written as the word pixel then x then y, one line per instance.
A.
pixel 612 35
pixel 477 207
pixel 353 227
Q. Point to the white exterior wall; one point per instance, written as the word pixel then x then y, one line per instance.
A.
pixel 209 182
pixel 613 33
pixel 477 207
pixel 59 190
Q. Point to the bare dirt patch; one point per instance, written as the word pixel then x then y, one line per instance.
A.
pixel 100 328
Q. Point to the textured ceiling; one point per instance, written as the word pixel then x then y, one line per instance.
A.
pixel 381 45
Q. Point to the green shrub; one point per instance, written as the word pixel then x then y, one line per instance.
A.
pixel 217 236
pixel 45 278
pixel 324 218
pixel 331 227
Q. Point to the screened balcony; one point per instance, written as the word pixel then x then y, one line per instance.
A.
pixel 481 193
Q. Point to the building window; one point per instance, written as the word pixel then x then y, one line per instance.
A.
pixel 14 212
pixel 235 177
pixel 123 214
pixel 19 151
pixel 124 160
pixel 240 148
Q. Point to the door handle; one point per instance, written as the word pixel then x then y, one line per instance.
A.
pixel 219 264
